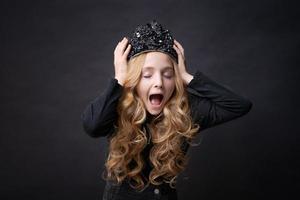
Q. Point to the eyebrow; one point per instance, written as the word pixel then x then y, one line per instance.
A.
pixel 150 68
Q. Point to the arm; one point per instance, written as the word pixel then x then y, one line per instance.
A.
pixel 100 115
pixel 212 103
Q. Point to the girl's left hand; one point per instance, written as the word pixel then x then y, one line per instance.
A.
pixel 186 77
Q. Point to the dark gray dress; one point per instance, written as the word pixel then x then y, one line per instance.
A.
pixel 210 102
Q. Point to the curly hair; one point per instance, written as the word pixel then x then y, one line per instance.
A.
pixel 168 130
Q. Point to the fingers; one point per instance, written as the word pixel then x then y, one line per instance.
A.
pixel 121 46
pixel 176 49
pixel 127 50
pixel 179 46
pixel 179 52
pixel 123 43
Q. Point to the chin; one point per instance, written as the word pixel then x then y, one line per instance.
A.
pixel 154 112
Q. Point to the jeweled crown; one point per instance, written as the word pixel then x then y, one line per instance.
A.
pixel 151 37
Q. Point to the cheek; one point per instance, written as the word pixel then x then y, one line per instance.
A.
pixel 170 86
pixel 141 91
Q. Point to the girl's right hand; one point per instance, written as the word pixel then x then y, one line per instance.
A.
pixel 120 60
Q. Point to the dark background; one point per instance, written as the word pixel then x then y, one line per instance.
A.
pixel 56 56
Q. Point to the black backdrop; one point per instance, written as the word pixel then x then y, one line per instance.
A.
pixel 56 56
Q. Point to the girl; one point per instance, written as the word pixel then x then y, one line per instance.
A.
pixel 150 113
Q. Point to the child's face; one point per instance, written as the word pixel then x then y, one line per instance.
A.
pixel 157 81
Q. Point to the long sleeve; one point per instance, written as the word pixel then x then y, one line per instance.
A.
pixel 212 103
pixel 100 115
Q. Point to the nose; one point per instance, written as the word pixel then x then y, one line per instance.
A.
pixel 158 81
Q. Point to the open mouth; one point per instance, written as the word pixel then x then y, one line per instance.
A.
pixel 156 99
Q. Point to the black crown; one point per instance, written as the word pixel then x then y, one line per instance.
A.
pixel 151 37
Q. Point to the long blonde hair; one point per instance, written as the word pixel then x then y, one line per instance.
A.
pixel 168 131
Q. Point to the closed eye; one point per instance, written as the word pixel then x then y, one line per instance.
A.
pixel 168 75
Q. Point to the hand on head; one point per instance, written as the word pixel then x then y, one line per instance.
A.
pixel 120 60
pixel 186 77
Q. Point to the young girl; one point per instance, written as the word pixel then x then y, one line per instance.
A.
pixel 150 113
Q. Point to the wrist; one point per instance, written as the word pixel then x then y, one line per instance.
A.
pixel 187 78
pixel 120 80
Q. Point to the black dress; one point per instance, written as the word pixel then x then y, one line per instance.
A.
pixel 210 103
